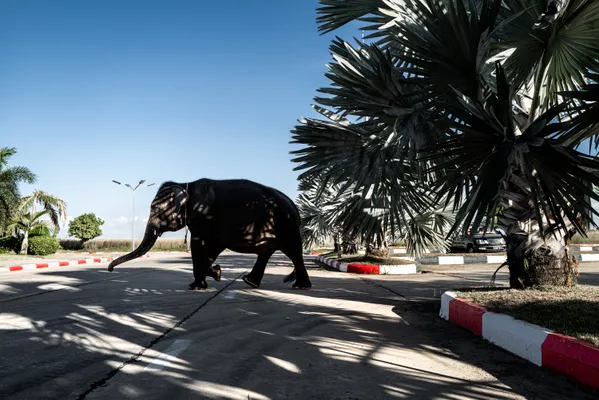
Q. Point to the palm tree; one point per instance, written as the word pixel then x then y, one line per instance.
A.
pixel 482 105
pixel 27 217
pixel 10 177
pixel 30 224
pixel 317 227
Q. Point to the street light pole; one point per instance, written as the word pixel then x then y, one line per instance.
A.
pixel 133 189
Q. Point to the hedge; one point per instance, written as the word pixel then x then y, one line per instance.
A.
pixel 43 245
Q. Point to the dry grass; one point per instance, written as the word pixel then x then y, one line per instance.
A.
pixel 592 238
pixel 573 312
pixel 352 258
pixel 121 245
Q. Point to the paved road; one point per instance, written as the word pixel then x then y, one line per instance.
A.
pixel 81 332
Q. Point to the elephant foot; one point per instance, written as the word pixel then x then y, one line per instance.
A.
pixel 246 279
pixel 198 285
pixel 289 278
pixel 215 272
pixel 302 286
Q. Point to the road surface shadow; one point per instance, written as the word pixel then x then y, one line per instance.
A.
pixel 349 338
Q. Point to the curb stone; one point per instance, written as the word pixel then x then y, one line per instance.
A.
pixel 116 252
pixel 370 269
pixel 476 259
pixel 55 264
pixel 564 354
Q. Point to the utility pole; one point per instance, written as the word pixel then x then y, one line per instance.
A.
pixel 133 216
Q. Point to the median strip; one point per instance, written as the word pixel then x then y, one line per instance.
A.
pixel 564 354
pixel 370 269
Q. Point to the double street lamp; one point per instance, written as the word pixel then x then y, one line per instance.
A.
pixel 133 189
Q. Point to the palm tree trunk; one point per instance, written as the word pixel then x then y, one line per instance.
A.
pixel 377 251
pixel 337 245
pixel 548 265
pixel 349 244
pixel 25 243
pixel 534 257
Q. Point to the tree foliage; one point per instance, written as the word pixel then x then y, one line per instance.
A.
pixel 86 227
pixel 10 177
pixel 474 107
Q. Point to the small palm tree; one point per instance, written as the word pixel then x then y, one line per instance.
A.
pixel 30 224
pixel 27 217
pixel 10 177
pixel 482 105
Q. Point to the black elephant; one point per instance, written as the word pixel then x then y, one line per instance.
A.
pixel 235 214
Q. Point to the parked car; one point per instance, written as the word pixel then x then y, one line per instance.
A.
pixel 480 242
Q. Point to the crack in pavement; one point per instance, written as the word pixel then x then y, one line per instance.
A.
pixel 466 278
pixel 154 341
pixel 386 288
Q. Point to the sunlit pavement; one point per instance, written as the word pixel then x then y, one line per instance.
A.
pixel 138 332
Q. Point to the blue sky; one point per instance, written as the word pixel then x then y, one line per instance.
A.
pixel 92 91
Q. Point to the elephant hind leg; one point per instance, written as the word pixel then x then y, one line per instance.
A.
pixel 299 273
pixel 290 277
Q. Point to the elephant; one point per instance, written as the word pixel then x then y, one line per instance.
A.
pixel 236 214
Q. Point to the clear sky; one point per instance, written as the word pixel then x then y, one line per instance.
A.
pixel 92 91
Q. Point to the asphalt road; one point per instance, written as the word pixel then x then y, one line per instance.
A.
pixel 85 333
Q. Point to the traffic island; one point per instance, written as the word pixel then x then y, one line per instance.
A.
pixel 368 268
pixel 541 346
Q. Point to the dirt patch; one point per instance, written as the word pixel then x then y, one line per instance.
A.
pixel 573 312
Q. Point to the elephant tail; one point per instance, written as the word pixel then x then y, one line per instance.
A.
pixel 290 277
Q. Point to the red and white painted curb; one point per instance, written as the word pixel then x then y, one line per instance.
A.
pixel 371 269
pixel 567 355
pixel 55 264
pixel 116 252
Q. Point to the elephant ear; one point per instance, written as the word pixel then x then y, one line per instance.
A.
pixel 180 198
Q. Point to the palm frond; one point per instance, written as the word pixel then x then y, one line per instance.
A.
pixel 552 43
pixel 446 43
pixel 56 208
pixel 487 150
pixel 333 14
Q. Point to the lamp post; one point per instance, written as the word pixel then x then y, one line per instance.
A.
pixel 133 189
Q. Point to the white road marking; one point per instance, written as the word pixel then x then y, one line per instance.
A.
pixel 230 294
pixel 169 355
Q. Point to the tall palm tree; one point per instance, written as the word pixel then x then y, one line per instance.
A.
pixel 27 215
pixel 482 104
pixel 10 177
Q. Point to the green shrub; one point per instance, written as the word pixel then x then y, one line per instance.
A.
pixel 100 245
pixel 43 245
pixel 8 244
pixel 86 227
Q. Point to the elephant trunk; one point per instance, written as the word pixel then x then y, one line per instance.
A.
pixel 146 244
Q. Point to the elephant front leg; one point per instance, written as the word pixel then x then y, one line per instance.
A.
pixel 203 255
pixel 199 258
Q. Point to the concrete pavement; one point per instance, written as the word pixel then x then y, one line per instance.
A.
pixel 139 333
